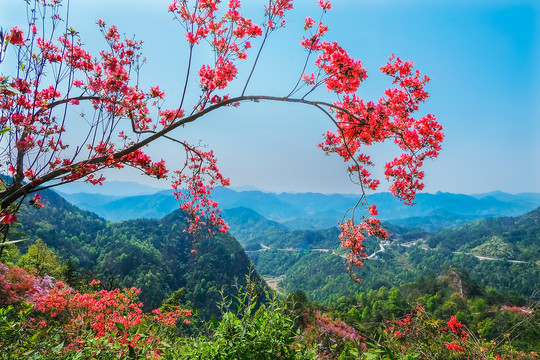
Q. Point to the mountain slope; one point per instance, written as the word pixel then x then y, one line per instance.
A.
pixel 502 253
pixel 154 255
pixel 435 220
pixel 523 232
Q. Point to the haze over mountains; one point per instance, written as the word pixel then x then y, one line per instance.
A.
pixel 311 210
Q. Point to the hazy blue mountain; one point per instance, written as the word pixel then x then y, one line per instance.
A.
pixel 271 206
pixel 390 208
pixel 88 201
pixel 310 223
pixel 251 228
pixel 530 198
pixel 319 211
pixel 436 220
pixel 109 188
pixel 154 206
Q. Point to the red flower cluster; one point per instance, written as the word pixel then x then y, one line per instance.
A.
pixel 325 4
pixel 111 315
pixel 419 324
pixel 218 77
pixel 455 327
pixel 199 176
pixel 16 37
pixel 352 237
pixel 343 74
pixel 362 124
pixel 454 347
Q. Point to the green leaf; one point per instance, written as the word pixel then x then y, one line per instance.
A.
pixel 120 326
pixel 11 88
pixel 369 356
pixel 214 322
pixel 131 352
pixel 34 337
pixel 12 241
pixel 5 129
pixel 58 348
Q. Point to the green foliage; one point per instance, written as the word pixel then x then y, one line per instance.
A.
pixel 519 235
pixel 495 247
pixel 323 278
pixel 252 331
pixel 489 316
pixel 43 260
pixel 153 255
pixel 13 331
pixel 256 325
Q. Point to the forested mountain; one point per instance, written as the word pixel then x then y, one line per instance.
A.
pixel 156 256
pixel 521 234
pixel 501 253
pixel 255 231
pixel 485 274
pixel 436 220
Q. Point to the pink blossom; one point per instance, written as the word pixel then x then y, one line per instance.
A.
pixel 16 37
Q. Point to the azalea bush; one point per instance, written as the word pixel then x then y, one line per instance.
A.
pixel 333 338
pixel 18 285
pixel 419 335
pixel 64 323
pixel 47 319
pixel 54 74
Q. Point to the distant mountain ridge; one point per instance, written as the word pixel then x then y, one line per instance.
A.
pixel 318 211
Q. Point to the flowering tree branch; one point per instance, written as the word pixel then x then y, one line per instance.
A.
pixel 54 75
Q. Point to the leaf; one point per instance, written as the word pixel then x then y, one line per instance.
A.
pixel 5 129
pixel 11 88
pixel 214 322
pixel 120 326
pixel 34 337
pixel 369 356
pixel 131 352
pixel 58 348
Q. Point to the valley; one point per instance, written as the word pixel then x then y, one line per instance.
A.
pixel 465 265
pixel 285 254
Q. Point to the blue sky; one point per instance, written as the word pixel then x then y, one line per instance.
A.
pixel 483 58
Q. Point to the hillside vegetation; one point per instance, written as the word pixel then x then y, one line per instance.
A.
pixel 481 279
pixel 157 256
